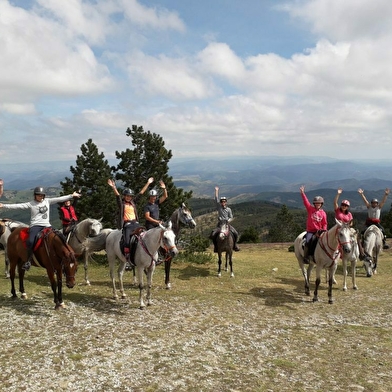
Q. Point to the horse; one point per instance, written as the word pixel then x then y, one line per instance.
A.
pixel 372 246
pixel 180 217
pixel 51 252
pixel 325 255
pixel 351 257
pixel 78 236
pixel 146 255
pixel 224 243
pixel 6 227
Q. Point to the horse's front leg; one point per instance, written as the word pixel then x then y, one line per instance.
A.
pixel 120 273
pixel 318 280
pixel 219 264
pixel 344 263
pixel 330 284
pixel 86 268
pixel 7 265
pixel 231 265
pixel 353 274
pixel 58 294
pixel 150 273
pixel 226 261
pixel 140 272
pixel 167 273
pixel 306 274
pixel 21 273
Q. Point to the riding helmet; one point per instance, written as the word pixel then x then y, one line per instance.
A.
pixel 374 201
pixel 318 199
pixel 223 198
pixel 153 192
pixel 346 202
pixel 128 192
pixel 39 191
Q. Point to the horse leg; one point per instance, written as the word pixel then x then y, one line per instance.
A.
pixel 86 268
pixel 112 260
pixel 231 264
pixel 150 273
pixel 330 284
pixel 58 297
pixel 12 278
pixel 318 280
pixel 21 273
pixel 140 272
pixel 167 273
pixel 226 261
pixel 219 264
pixel 344 262
pixel 7 264
pixel 120 273
pixel 353 273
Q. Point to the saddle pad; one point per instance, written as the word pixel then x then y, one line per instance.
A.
pixel 24 235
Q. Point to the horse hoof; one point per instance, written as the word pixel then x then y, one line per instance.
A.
pixel 142 307
pixel 60 306
pixel 315 299
pixel 88 283
pixel 344 288
pixel 219 275
pixel 123 296
pixel 23 296
pixel 231 275
pixel 355 288
pixel 330 301
pixel 168 286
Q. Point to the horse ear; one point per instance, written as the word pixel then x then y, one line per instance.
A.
pixel 338 222
pixel 183 205
pixel 100 220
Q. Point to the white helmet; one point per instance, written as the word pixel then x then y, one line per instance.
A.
pixel 153 192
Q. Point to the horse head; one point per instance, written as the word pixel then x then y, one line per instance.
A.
pixel 69 266
pixel 186 217
pixel 95 227
pixel 224 230
pixel 168 239
pixel 344 235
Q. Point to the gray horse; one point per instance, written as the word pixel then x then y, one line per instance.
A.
pixel 224 243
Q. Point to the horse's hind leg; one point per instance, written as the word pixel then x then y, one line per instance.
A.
pixel 231 265
pixel 86 256
pixel 353 274
pixel 150 273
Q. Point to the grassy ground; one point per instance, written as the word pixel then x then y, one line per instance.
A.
pixel 254 332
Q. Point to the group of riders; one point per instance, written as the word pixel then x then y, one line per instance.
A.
pixel 127 219
pixel 316 222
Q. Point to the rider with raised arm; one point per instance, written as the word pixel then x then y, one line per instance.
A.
pixel 224 215
pixel 316 222
pixel 151 209
pixel 374 212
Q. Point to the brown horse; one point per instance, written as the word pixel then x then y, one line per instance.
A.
pixel 51 252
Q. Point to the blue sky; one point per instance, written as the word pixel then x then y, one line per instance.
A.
pixel 213 78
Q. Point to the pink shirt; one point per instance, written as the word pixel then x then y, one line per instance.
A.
pixel 340 215
pixel 317 219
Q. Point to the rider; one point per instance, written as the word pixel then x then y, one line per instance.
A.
pixel 128 219
pixel 342 213
pixel 39 209
pixel 374 213
pixel 151 209
pixel 68 215
pixel 224 215
pixel 316 221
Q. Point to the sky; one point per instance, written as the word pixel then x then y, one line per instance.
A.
pixel 213 78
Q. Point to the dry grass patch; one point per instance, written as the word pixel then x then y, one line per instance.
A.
pixel 255 332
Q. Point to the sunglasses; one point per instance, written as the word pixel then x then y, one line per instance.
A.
pixel 344 205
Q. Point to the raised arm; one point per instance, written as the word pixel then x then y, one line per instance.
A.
pixel 164 196
pixel 360 191
pixel 112 184
pixel 335 201
pixel 149 181
pixel 384 199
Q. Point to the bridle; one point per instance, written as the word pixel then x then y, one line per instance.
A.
pixel 331 252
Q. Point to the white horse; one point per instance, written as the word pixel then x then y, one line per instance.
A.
pixel 351 257
pixel 146 255
pixel 372 246
pixel 6 227
pixel 325 255
pixel 78 236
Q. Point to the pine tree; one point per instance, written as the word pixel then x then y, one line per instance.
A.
pixel 284 229
pixel 148 158
pixel 90 175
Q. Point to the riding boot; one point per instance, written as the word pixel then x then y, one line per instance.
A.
pixel 127 255
pixel 215 246
pixel 235 247
pixel 26 266
pixel 306 254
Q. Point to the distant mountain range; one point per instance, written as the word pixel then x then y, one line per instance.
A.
pixel 271 178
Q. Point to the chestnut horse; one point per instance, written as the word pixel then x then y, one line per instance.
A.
pixel 51 252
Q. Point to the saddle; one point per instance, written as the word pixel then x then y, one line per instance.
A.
pixel 133 241
pixel 311 245
pixel 24 235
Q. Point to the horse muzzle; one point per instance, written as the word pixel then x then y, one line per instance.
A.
pixel 346 248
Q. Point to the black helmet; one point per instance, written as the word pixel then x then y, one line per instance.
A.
pixel 38 190
pixel 128 192
pixel 318 199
